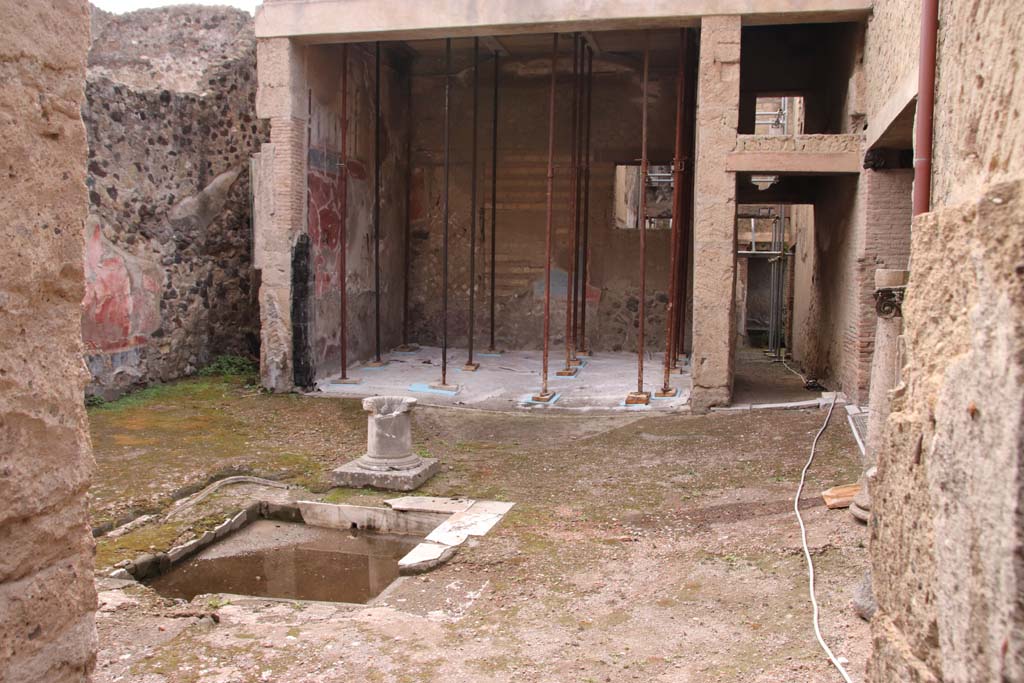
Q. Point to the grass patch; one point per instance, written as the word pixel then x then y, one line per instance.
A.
pixel 148 539
pixel 231 366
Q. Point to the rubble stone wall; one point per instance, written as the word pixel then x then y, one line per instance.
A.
pixel 47 599
pixel 169 281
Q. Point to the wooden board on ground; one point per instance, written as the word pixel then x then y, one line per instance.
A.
pixel 840 496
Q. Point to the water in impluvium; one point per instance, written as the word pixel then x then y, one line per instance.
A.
pixel 288 560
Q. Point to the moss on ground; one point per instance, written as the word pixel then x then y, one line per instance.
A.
pixel 162 442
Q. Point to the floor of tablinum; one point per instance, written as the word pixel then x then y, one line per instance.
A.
pixel 508 381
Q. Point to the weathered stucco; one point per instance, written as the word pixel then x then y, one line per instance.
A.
pixel 169 282
pixel 947 532
pixel 890 61
pixel 47 600
pixel 325 206
pixel 280 200
pixel 325 20
pixel 714 254
pixel 978 131
pixel 298 209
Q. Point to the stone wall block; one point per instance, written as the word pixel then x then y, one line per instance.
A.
pixel 47 598
pixel 46 623
pixel 947 533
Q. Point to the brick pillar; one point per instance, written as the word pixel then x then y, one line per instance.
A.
pixel 714 252
pixel 280 184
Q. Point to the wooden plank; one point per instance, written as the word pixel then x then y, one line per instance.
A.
pixel 840 496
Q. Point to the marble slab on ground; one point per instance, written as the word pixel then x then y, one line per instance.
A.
pixel 429 504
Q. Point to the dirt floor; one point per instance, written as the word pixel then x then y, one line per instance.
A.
pixel 658 547
pixel 761 379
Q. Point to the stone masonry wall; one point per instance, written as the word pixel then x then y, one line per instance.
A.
pixel 947 533
pixel 169 282
pixel 47 599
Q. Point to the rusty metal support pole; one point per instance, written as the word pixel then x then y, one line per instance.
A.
pixel 470 365
pixel 677 188
pixel 577 187
pixel 570 271
pixel 444 210
pixel 343 213
pixel 544 394
pixel 406 246
pixel 640 396
pixel 494 196
pixel 584 256
pixel 376 202
pixel 689 142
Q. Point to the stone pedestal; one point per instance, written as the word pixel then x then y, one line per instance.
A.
pixel 389 462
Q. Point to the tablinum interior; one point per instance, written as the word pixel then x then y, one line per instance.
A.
pixel 295 561
pixel 496 246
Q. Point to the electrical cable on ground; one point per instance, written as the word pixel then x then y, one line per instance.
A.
pixel 807 552
pixel 802 378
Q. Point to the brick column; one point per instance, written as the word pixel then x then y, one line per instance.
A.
pixel 280 186
pixel 714 252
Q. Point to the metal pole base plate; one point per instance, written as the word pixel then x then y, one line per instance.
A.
pixel 567 372
pixel 470 367
pixel 375 364
pixel 543 398
pixel 665 392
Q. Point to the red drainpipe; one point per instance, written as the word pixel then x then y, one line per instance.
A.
pixel 925 107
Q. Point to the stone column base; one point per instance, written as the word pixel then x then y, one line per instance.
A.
pixel 352 475
pixel 702 399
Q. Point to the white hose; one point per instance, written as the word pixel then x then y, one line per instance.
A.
pixel 807 552
pixel 802 378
